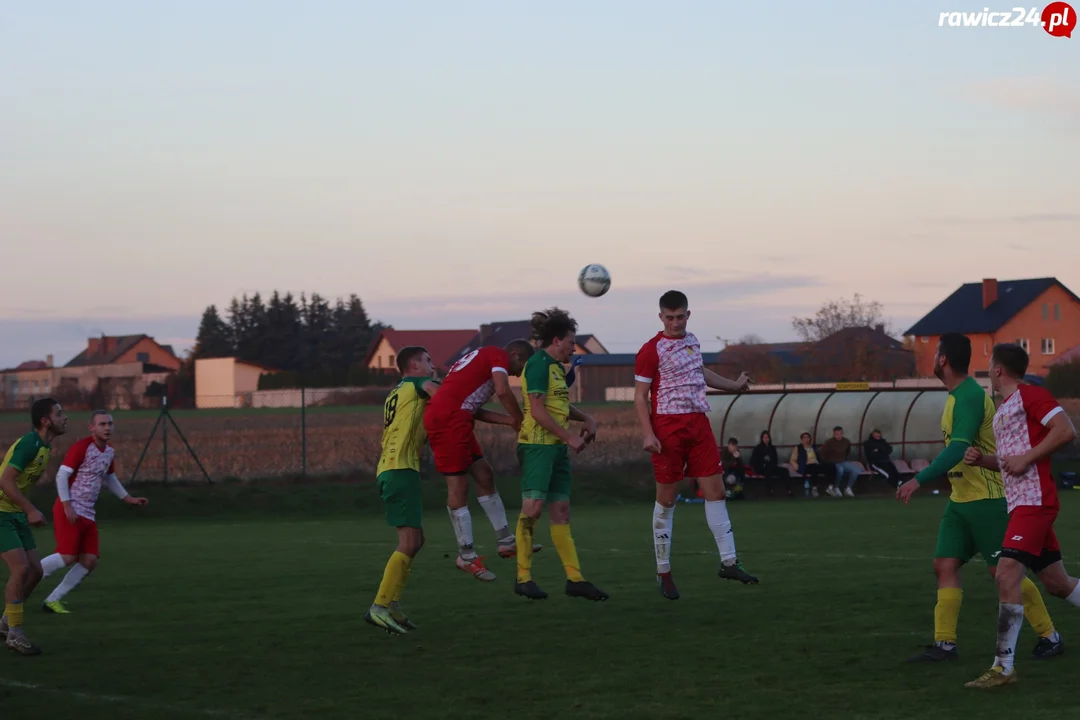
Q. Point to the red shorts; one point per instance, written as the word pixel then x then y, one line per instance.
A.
pixel 687 448
pixel 74 538
pixel 453 443
pixel 1030 537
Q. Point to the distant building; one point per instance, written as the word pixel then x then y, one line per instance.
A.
pixel 225 382
pixel 112 372
pixel 126 349
pixel 1041 315
pixel 21 385
pixel 442 345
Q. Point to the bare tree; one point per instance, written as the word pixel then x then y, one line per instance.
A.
pixel 749 339
pixel 836 315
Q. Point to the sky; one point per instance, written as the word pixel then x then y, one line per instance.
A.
pixel 458 163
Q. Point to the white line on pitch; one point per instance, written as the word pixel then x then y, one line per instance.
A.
pixel 114 699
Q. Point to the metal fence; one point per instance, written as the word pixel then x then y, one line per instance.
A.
pixel 307 434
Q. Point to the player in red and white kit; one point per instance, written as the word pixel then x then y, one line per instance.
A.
pixel 1029 427
pixel 670 387
pixel 448 419
pixel 88 465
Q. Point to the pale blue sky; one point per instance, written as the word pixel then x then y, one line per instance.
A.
pixel 156 158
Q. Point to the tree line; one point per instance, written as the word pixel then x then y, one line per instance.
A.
pixel 307 340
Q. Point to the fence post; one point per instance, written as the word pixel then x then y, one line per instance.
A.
pixel 303 432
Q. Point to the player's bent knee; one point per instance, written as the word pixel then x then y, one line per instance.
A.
pixel 532 508
pixel 89 562
pixel 947 571
pixel 559 512
pixel 69 560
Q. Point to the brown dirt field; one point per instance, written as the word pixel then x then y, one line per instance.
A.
pixel 258 446
pixel 269 445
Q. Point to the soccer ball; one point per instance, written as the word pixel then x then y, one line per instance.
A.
pixel 594 280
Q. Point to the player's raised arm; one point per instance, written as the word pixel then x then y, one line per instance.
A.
pixel 430 387
pixel 719 382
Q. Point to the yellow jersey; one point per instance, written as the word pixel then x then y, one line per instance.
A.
pixel 403 425
pixel 969 417
pixel 544 375
pixel 30 456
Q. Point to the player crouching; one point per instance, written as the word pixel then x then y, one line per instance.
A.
pixel 88 465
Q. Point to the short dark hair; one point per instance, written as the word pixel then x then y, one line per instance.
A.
pixel 956 348
pixel 94 415
pixel 673 300
pixel 551 325
pixel 406 355
pixel 732 441
pixel 522 347
pixel 41 410
pixel 838 428
pixel 1012 357
pixel 806 434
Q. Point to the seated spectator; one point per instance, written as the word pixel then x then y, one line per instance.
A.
pixel 878 451
pixel 835 452
pixel 765 462
pixel 804 460
pixel 733 469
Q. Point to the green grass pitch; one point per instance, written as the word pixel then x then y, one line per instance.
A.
pixel 234 602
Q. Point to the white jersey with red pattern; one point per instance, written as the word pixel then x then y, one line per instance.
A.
pixel 1020 425
pixel 90 465
pixel 468 384
pixel 674 369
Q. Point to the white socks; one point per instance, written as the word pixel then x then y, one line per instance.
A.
pixel 1074 596
pixel 1010 618
pixel 74 576
pixel 717 516
pixel 51 564
pixel 663 521
pixel 462 522
pixel 496 513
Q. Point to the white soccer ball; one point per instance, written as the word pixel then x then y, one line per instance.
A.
pixel 594 280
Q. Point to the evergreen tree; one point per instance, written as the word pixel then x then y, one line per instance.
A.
pixel 309 342
pixel 215 336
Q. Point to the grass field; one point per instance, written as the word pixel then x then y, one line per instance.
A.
pixel 233 601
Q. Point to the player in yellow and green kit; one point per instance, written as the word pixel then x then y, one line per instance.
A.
pixel 544 444
pixel 24 462
pixel 976 515
pixel 398 478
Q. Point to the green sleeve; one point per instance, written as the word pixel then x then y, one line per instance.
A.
pixel 947 459
pixel 25 452
pixel 968 409
pixel 536 376
pixel 418 386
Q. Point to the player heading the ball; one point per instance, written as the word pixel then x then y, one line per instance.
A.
pixel 670 381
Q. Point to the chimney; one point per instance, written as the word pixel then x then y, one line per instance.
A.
pixel 108 344
pixel 48 361
pixel 879 328
pixel 990 292
pixel 93 345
